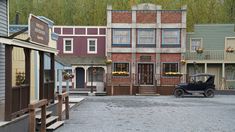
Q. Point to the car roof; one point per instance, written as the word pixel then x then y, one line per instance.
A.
pixel 202 74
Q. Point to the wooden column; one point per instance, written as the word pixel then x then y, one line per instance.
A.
pixel 41 75
pixel 59 109
pixel 52 55
pixel 8 82
pixel 27 71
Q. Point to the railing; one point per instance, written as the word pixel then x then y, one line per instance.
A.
pixel 49 91
pixel 210 55
pixel 20 99
pixel 61 97
pixel 32 122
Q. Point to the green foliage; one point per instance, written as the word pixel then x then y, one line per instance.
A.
pixel 93 12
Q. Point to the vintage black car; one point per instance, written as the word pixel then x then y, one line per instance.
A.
pixel 199 83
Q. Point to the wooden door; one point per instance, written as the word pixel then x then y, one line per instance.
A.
pixel 145 73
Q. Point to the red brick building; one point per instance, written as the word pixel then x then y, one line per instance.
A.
pixel 144 44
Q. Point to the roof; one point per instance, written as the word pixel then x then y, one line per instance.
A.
pixel 202 74
pixel 75 60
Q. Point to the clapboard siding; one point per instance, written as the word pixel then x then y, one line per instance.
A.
pixel 3 32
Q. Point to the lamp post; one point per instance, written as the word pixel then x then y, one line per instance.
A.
pixel 91 76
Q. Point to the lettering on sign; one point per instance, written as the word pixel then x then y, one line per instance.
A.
pixel 145 58
pixel 39 30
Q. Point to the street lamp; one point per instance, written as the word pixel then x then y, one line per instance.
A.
pixel 91 76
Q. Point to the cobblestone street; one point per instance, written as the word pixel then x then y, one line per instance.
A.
pixel 152 114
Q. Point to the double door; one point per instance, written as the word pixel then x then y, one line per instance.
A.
pixel 145 74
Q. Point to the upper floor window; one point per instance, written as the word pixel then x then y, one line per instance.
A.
pixel 68 45
pixel 195 44
pixel 170 38
pixel 121 37
pixel 146 38
pixel 91 46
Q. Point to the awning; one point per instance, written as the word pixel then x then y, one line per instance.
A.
pixel 25 44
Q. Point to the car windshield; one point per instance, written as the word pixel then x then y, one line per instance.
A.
pixel 198 79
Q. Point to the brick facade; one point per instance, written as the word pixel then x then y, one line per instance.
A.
pixel 146 17
pixel 139 55
pixel 121 17
pixel 170 57
pixel 121 57
pixel 171 17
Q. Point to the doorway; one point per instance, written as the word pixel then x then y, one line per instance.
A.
pixel 80 77
pixel 145 73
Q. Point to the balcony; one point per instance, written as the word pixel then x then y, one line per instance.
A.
pixel 217 55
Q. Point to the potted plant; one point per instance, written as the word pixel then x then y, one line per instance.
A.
pixel 20 78
pixel 229 50
pixel 199 50
pixel 67 76
pixel 173 74
pixel 108 61
pixel 120 73
pixel 183 62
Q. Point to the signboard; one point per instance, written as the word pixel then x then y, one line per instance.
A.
pixel 145 58
pixel 38 30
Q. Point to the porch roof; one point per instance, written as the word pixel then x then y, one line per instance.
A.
pixel 75 60
pixel 26 44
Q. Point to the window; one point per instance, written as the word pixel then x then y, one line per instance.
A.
pixel 146 37
pixel 121 37
pixel 96 73
pixel 68 45
pixel 170 38
pixel 91 46
pixel 230 72
pixel 120 69
pixel 195 43
pixel 170 67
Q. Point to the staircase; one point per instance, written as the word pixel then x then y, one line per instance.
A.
pixel 147 90
pixel 52 122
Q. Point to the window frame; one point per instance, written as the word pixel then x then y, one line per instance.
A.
pixel 88 45
pixel 146 44
pixel 64 45
pixel 113 68
pixel 163 71
pixel 128 44
pixel 201 45
pixel 171 45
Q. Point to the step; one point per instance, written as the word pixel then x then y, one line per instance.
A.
pixel 49 120
pixel 154 94
pixel 38 116
pixel 55 125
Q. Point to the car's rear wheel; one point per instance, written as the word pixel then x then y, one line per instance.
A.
pixel 209 93
pixel 179 93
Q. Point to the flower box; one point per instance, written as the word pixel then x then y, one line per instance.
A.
pixel 229 50
pixel 120 73
pixel 199 50
pixel 173 74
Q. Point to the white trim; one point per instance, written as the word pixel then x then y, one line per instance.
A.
pixel 98 31
pixel 190 48
pixel 58 26
pixel 24 44
pixel 226 41
pixel 86 32
pixel 78 35
pixel 73 31
pixel 64 39
pixel 88 46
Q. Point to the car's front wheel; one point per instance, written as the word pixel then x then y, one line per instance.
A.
pixel 179 93
pixel 209 93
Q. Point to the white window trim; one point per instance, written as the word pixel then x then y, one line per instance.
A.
pixel 88 46
pixel 226 42
pixel 190 48
pixel 71 45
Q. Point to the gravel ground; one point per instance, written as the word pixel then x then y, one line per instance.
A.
pixel 152 114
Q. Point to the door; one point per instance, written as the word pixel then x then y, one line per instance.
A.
pixel 80 78
pixel 215 70
pixel 145 73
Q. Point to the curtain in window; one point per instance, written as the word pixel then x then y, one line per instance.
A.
pixel 170 36
pixel 121 36
pixel 146 36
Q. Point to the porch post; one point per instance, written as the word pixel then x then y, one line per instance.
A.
pixel 8 82
pixel 41 75
pixel 52 72
pixel 205 68
pixel 27 70
pixel 223 81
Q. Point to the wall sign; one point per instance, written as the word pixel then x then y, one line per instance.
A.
pixel 145 58
pixel 38 30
